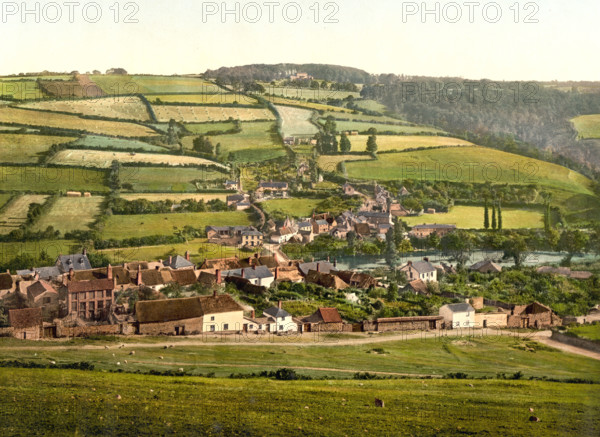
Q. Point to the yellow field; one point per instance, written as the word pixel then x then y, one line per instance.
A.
pixel 201 114
pixel 103 159
pixel 403 142
pixel 49 119
pixel 129 108
pixel 204 99
pixel 471 217
pixel 309 105
pixel 70 214
pixel 176 197
pixel 15 214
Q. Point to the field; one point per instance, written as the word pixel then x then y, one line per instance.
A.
pixel 8 250
pixel 297 208
pixel 4 198
pixel 20 89
pixel 370 105
pixel 588 126
pixel 15 213
pixel 98 142
pixel 131 84
pixel 363 117
pixel 204 99
pixel 471 217
pixel 74 402
pixel 307 93
pixel 70 214
pixel 177 180
pixel 127 226
pixel 42 179
pixel 296 122
pixel 330 162
pixel 362 126
pixel 128 108
pixel 74 122
pixel 203 128
pixel 483 165
pixel 155 197
pixel 103 159
pixel 308 105
pixel 201 114
pixel 403 142
pixel 26 149
pixel 255 143
pixel 590 332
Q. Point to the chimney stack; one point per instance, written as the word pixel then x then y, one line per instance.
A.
pixel 426 259
pixel 139 275
pixel 187 255
pixel 327 258
pixel 84 252
pixel 253 314
pixel 109 273
pixel 219 279
pixel 335 262
pixel 276 272
pixel 318 267
pixel 170 259
pixel 254 266
pixel 242 274
pixel 409 263
pixel 279 304
pixel 71 273
pixel 36 277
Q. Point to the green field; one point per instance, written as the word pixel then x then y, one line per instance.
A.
pixel 175 197
pixel 590 332
pixel 307 105
pixel 132 84
pixel 403 142
pixel 297 208
pixel 98 142
pixel 128 226
pixel 363 117
pixel 255 143
pixel 70 402
pixel 370 105
pixel 296 121
pixel 26 149
pixel 203 128
pixel 71 214
pixel 4 198
pixel 204 99
pixel 307 93
pixel 363 126
pixel 42 179
pixel 177 180
pixel 482 165
pixel 588 126
pixel 53 248
pixel 471 217
pixel 20 89
pixel 15 213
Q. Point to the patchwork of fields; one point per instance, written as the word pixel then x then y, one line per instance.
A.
pixel 121 227
pixel 137 84
pixel 26 149
pixel 15 213
pixel 102 159
pixel 70 214
pixel 128 108
pixel 201 114
pixel 175 197
pixel 73 122
pixel 308 93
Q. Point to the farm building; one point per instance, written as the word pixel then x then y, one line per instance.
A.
pixel 179 262
pixel 535 315
pixel 215 313
pixel 458 315
pixel 495 319
pixel 327 280
pixel 486 266
pixel 27 323
pixel 90 300
pixel 319 266
pixel 279 320
pixel 323 320
pixel 425 230
pixel 420 323
pixel 41 294
pixel 256 275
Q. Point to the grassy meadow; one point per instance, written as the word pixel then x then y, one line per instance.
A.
pixel 176 180
pixel 121 227
pixel 203 114
pixel 98 142
pixel 15 213
pixel 74 122
pixel 26 149
pixel 403 142
pixel 46 179
pixel 590 332
pixel 203 128
pixel 471 217
pixel 307 105
pixel 20 89
pixel 588 126
pixel 204 99
pixel 175 197
pixel 59 402
pixel 296 121
pixel 308 93
pixel 363 126
pixel 128 108
pixel 134 84
pixel 70 214
pixel 297 208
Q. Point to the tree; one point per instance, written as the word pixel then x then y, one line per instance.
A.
pixel 345 145
pixel 572 242
pixel 203 145
pixel 499 216
pixel 372 144
pixel 486 218
pixel 392 294
pixel 433 240
pixel 494 217
pixel 459 245
pixel 398 231
pixel 391 253
pixel 218 149
pixel 172 132
pixel 405 246
pixel 516 247
pixel 351 239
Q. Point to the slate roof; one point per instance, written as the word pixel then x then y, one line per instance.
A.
pixel 324 267
pixel 39 287
pixel 235 198
pixel 250 233
pixel 25 318
pixel 259 272
pixel 423 267
pixel 76 262
pixel 460 307
pixel 44 272
pixel 178 262
pixel 276 312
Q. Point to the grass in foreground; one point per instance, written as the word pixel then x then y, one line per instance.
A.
pixel 59 402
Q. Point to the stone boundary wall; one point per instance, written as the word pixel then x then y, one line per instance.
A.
pixel 576 341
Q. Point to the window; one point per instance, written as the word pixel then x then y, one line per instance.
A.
pixel 82 306
pixel 73 306
pixel 98 294
pixel 107 304
pixel 212 328
pixel 281 327
pixel 226 327
pixel 92 306
pixel 212 318
pixel 90 295
pixel 108 293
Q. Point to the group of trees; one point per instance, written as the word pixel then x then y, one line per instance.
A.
pixel 120 206
pixel 496 223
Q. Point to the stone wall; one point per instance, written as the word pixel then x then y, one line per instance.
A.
pixel 86 331
pixel 576 341
pixel 175 327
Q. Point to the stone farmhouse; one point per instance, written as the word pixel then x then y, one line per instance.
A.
pixel 458 315
pixel 423 270
pixel 425 230
pixel 535 315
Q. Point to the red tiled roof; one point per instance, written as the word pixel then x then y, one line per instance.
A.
pixel 330 315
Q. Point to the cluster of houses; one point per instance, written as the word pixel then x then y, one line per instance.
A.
pixel 73 298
